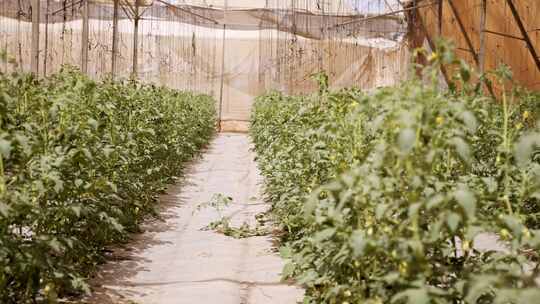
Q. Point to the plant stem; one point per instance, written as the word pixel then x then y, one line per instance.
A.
pixel 506 146
pixel 2 177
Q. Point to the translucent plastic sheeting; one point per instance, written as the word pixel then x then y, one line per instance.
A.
pixel 234 54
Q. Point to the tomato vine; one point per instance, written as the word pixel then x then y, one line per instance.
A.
pixel 81 163
pixel 385 195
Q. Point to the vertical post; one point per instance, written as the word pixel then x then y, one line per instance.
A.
pixel 85 33
pixel 46 51
pixel 115 38
pixel 482 50
pixel 135 63
pixel 34 61
pixel 440 17
pixel 223 45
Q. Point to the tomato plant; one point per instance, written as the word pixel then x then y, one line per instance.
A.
pixel 384 195
pixel 80 163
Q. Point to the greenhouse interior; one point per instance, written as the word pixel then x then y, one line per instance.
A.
pixel 270 151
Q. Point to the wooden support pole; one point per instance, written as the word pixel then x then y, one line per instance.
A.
pixel 46 51
pixel 136 19
pixel 115 39
pixel 526 37
pixel 440 13
pixel 482 49
pixel 34 61
pixel 85 34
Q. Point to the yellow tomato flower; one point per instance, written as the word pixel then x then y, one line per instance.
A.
pixel 370 231
pixel 505 234
pixel 403 268
pixel 519 126
pixel 439 120
pixel 466 246
pixel 347 293
pixel 526 114
pixel 433 56
pixel 354 104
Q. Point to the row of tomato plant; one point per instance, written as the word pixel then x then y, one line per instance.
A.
pixel 389 196
pixel 81 163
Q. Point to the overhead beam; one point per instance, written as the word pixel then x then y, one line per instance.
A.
pixel 410 8
pixel 131 7
pixel 526 37
pixel 187 11
pixel 71 4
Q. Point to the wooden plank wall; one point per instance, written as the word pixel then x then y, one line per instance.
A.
pixel 499 49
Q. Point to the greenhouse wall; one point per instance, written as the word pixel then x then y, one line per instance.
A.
pixel 233 54
pixel 503 40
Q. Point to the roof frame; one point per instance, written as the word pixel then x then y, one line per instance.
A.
pixel 388 15
pixel 169 5
pixel 69 5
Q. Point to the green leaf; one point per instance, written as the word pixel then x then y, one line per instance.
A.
pixel 406 140
pixel 77 210
pixel 358 242
pixel 4 209
pixel 466 200
pixel 323 235
pixel 435 201
pixel 453 220
pixel 470 121
pixel 380 210
pixel 462 148
pixel 288 270
pixel 525 147
pixel 413 296
pixel 490 183
pixel 5 148
pixel 480 285
pixel 285 252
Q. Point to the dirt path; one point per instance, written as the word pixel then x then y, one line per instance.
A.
pixel 175 261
